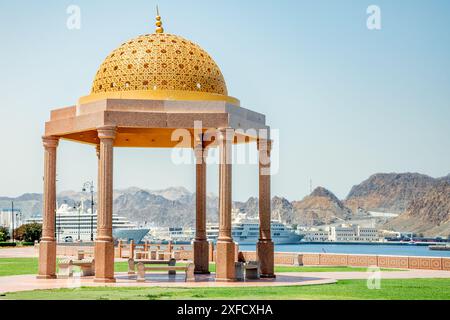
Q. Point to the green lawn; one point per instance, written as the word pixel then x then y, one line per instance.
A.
pixel 20 266
pixel 405 289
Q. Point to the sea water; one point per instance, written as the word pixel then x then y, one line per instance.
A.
pixel 376 249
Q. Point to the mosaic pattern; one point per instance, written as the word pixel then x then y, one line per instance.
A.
pixel 362 261
pixel 393 262
pixel 425 263
pixel 333 259
pixel 159 61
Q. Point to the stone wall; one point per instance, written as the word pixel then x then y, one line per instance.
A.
pixel 72 251
pixel 308 259
pixel 397 262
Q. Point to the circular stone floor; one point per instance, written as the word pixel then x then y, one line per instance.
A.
pixel 29 282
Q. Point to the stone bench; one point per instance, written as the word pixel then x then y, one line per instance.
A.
pixel 133 262
pixel 252 270
pixel 189 271
pixel 87 267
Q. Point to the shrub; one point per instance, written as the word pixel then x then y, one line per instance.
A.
pixel 28 232
pixel 4 234
pixel 27 244
pixel 8 244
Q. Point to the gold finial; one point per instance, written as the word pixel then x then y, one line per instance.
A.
pixel 159 28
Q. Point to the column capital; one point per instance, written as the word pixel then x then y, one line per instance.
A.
pixel 225 134
pixel 107 132
pixel 50 141
pixel 264 145
pixel 200 150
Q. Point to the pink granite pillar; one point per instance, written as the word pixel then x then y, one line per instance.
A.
pixel 47 246
pixel 225 270
pixel 265 246
pixel 200 244
pixel 104 245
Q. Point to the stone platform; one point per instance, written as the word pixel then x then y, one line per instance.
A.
pixel 29 282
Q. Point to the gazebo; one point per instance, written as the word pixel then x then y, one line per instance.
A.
pixel 144 91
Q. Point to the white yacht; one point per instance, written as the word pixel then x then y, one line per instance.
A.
pixel 174 234
pixel 76 224
pixel 244 231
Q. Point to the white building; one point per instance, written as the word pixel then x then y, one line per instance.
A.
pixel 6 218
pixel 353 233
pixel 342 233
pixel 316 235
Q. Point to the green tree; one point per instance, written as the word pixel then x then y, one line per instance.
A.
pixel 28 232
pixel 4 234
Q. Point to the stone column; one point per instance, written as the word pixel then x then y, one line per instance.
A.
pixel 47 246
pixel 225 246
pixel 200 245
pixel 104 245
pixel 265 246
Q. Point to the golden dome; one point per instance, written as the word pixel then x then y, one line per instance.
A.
pixel 159 61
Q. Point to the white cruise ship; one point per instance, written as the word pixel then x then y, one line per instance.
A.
pixel 76 224
pixel 244 231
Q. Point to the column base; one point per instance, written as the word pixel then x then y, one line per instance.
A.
pixel 104 280
pixel 225 268
pixel 202 272
pixel 104 261
pixel 201 256
pixel 225 280
pixel 267 276
pixel 265 255
pixel 47 260
pixel 46 277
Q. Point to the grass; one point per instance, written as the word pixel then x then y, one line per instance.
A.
pixel 22 266
pixel 18 266
pixel 405 289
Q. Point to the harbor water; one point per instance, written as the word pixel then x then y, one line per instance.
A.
pixel 376 249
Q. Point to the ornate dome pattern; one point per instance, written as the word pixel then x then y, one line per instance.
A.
pixel 159 61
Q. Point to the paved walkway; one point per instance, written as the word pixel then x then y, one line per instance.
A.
pixel 20 252
pixel 406 274
pixel 29 282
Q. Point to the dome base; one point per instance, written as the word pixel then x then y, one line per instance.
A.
pixel 170 95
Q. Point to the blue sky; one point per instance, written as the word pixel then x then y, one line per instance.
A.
pixel 348 102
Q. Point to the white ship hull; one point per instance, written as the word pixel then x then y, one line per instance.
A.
pixel 75 224
pixel 130 234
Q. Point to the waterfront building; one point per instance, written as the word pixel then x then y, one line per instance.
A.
pixel 341 233
pixel 353 233
pixel 160 90
pixel 315 235
pixel 7 216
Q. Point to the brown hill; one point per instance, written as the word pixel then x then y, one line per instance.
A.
pixel 320 207
pixel 389 192
pixel 429 214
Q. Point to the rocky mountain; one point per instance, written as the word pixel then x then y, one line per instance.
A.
pixel 428 214
pixel 389 192
pixel 146 207
pixel 421 200
pixel 320 207
pixel 281 208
